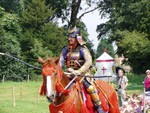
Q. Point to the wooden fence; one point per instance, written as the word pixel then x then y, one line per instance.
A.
pixel 20 92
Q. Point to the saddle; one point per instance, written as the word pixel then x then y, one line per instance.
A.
pixel 86 99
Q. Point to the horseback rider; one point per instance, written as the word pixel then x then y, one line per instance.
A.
pixel 77 59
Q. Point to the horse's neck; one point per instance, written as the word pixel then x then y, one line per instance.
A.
pixel 64 80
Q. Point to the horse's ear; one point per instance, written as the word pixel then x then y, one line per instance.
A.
pixel 40 60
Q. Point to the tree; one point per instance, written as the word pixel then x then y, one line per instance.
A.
pixel 104 43
pixel 29 29
pixel 76 6
pixel 10 32
pixel 60 7
pixel 136 49
pixel 36 20
pixel 69 11
pixel 12 6
pixel 40 34
pixel 125 15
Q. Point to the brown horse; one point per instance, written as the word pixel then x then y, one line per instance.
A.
pixel 74 98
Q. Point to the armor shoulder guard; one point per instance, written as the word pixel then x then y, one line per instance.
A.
pixel 64 51
pixel 84 47
pixel 81 50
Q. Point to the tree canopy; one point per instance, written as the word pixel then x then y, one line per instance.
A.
pixel 105 44
pixel 128 21
pixel 10 30
pixel 30 28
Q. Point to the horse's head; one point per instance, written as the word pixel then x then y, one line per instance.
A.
pixel 49 72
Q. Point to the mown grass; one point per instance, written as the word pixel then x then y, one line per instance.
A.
pixel 26 96
pixel 135 84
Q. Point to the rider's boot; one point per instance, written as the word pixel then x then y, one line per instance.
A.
pixel 94 96
pixel 97 103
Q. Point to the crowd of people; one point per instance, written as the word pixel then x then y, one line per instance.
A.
pixel 132 104
pixel 136 103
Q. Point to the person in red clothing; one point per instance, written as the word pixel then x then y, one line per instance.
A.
pixel 147 81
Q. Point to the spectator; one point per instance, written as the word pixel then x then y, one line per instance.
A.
pixel 147 81
pixel 122 83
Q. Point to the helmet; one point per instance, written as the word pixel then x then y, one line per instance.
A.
pixel 75 33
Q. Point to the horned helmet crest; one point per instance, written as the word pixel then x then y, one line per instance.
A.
pixel 75 33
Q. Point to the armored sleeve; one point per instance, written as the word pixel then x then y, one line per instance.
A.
pixel 61 60
pixel 88 61
pixel 62 57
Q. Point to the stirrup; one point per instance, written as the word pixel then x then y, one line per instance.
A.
pixel 99 109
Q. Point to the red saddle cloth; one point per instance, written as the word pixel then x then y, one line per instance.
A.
pixel 86 104
pixel 68 106
pixel 89 104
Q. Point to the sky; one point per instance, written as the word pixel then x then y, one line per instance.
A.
pixel 91 21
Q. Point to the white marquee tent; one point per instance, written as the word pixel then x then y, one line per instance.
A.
pixel 105 66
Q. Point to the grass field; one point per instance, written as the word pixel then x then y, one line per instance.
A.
pixel 28 101
pixel 135 84
pixel 26 98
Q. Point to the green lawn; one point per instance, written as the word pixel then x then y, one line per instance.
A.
pixel 26 98
pixel 135 84
pixel 27 101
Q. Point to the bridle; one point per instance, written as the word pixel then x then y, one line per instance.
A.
pixel 49 71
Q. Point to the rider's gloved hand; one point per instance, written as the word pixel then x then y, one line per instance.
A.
pixel 70 70
pixel 74 72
